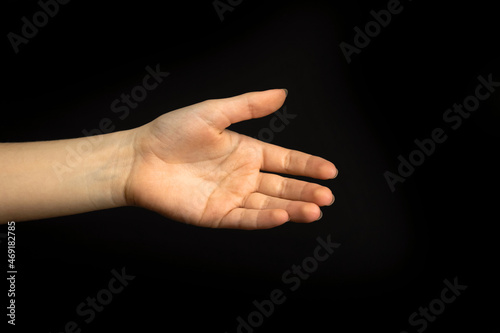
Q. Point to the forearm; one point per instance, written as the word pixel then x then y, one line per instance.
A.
pixel 63 177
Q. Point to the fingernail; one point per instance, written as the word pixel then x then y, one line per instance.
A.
pixel 331 203
pixel 320 215
pixel 286 91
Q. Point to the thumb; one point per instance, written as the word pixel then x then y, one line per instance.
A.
pixel 227 111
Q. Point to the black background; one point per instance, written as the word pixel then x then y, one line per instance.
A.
pixel 397 248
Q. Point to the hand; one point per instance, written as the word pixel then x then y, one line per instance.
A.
pixel 189 167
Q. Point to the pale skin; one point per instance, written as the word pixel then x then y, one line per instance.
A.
pixel 185 165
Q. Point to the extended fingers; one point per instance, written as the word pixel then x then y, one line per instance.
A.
pixel 299 211
pixel 293 162
pixel 250 219
pixel 293 189
pixel 278 200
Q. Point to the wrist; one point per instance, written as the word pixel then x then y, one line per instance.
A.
pixel 109 169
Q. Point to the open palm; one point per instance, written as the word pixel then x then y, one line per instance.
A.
pixel 190 168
